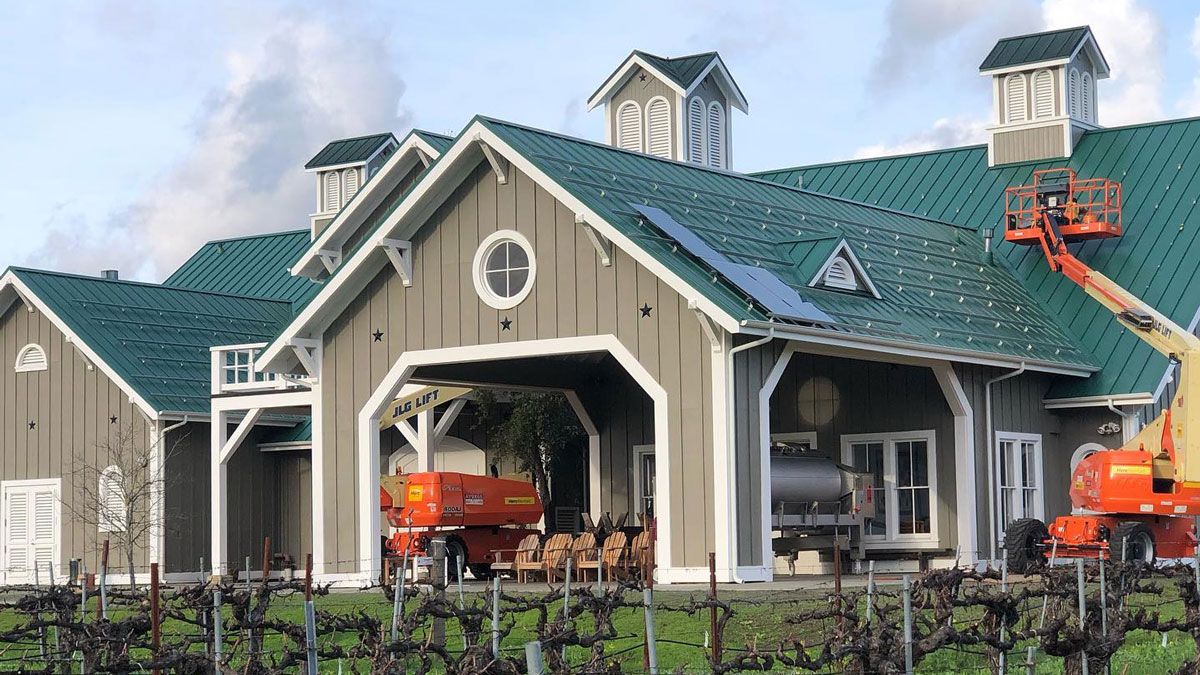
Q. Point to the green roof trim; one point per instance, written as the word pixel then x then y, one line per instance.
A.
pixel 156 338
pixel 936 292
pixel 254 266
pixel 1035 48
pixel 440 142
pixel 1158 165
pixel 349 150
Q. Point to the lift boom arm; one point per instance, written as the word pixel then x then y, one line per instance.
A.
pixel 1174 437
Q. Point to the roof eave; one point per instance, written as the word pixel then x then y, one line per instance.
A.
pixel 622 74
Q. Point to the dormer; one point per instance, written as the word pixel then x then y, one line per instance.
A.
pixel 1044 93
pixel 342 167
pixel 676 108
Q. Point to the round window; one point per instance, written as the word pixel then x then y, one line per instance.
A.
pixel 504 269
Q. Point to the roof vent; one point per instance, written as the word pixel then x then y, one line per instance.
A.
pixel 110 275
pixel 842 271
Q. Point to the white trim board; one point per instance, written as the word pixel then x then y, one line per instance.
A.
pixel 621 75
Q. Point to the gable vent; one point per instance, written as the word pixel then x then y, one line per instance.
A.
pixel 30 359
pixel 843 272
pixel 658 127
pixel 839 275
pixel 629 127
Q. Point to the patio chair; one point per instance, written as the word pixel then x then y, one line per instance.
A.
pixel 610 555
pixel 582 550
pixel 527 558
pixel 641 554
pixel 554 555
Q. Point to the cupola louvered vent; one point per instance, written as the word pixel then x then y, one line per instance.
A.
pixel 696 130
pixel 716 135
pixel 629 127
pixel 658 127
pixel 351 183
pixel 1014 86
pixel 333 192
pixel 1043 94
pixel 31 358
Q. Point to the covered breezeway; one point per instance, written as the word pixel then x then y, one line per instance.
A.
pixel 620 406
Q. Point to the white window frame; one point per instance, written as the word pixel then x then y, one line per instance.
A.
pixel 479 276
pixel 893 539
pixel 639 497
pixel 55 483
pixel 1039 505
pixel 809 437
pixel 21 367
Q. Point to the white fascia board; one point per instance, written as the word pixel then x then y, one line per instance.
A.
pixel 1097 57
pixel 23 291
pixel 421 201
pixel 724 81
pixel 623 73
pixel 1137 398
pixel 334 234
pixel 335 167
pixel 1048 63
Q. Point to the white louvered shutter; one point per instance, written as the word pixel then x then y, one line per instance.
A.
pixel 1086 113
pixel 18 556
pixel 1014 96
pixel 112 501
pixel 1073 93
pixel 696 130
pixel 30 529
pixel 716 135
pixel 1043 94
pixel 31 358
pixel 45 505
pixel 658 128
pixel 333 191
pixel 351 181
pixel 629 127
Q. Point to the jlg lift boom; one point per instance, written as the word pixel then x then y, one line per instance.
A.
pixel 1138 501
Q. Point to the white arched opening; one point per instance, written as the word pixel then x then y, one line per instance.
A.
pixel 31 358
pixel 1084 451
pixel 716 135
pixel 1073 93
pixel 452 454
pixel 658 127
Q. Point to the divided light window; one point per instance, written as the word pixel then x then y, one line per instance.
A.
pixel 1020 472
pixel 904 475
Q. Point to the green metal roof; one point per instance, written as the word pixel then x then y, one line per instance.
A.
pixel 1034 48
pixel 301 433
pixel 349 150
pixel 1158 165
pixel 156 338
pixel 440 142
pixel 683 70
pixel 255 266
pixel 936 292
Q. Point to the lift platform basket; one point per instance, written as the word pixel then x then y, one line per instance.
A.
pixel 1081 209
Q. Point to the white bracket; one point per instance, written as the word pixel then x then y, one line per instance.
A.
pixel 400 253
pixel 410 434
pixel 709 326
pixel 499 164
pixel 447 419
pixel 602 244
pixel 240 433
pixel 306 353
pixel 331 259
pixel 82 357
pixel 424 157
pixel 24 298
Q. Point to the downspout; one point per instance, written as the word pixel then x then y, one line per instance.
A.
pixel 1128 422
pixel 731 427
pixel 160 498
pixel 991 454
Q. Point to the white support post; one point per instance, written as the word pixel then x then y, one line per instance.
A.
pixel 964 459
pixel 330 259
pixel 426 445
pixel 220 491
pixel 589 426
pixel 239 434
pixel 447 420
pixel 410 434
pixel 306 351
pixel 764 431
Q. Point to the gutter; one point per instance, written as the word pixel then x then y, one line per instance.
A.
pixel 731 476
pixel 1129 422
pixel 991 454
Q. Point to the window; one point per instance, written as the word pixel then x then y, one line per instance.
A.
pixel 1020 475
pixel 504 269
pixel 1014 97
pixel 351 180
pixel 1073 93
pixel 629 127
pixel 658 127
pixel 716 135
pixel 237 369
pixel 905 479
pixel 31 358
pixel 1043 94
pixel 644 479
pixel 696 130
pixel 333 191
pixel 1086 99
pixel 112 516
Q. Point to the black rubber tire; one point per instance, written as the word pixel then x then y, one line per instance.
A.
pixel 456 547
pixel 1023 545
pixel 1140 546
pixel 482 571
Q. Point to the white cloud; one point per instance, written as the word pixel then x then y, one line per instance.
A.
pixel 1131 37
pixel 1190 104
pixel 297 85
pixel 945 133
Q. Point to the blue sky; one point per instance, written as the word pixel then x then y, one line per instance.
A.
pixel 134 131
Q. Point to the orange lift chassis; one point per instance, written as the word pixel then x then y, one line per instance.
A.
pixel 1138 501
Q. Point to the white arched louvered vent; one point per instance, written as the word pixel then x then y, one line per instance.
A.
pixel 839 274
pixel 1073 93
pixel 629 127
pixel 658 127
pixel 333 191
pixel 351 181
pixel 696 130
pixel 1015 108
pixel 30 359
pixel 1043 94
pixel 111 500
pixel 1086 100
pixel 716 135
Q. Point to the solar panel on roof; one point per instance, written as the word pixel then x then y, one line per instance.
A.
pixel 760 284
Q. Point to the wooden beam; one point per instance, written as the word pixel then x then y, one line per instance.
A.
pixel 330 259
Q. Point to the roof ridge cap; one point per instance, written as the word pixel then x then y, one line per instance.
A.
pixel 1085 26
pixel 144 284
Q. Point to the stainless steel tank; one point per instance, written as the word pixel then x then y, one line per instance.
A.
pixel 798 479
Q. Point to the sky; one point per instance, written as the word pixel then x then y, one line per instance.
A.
pixel 133 132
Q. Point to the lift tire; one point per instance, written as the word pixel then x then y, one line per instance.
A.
pixel 1134 541
pixel 482 571
pixel 456 549
pixel 1023 545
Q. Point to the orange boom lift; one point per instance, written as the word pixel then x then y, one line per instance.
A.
pixel 1137 502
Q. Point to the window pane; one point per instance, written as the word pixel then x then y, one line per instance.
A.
pixel 1028 465
pixel 913 510
pixel 516 256
pixel 868 458
pixel 1029 503
pixel 497 260
pixel 517 280
pixel 498 282
pixel 920 463
pixel 904 468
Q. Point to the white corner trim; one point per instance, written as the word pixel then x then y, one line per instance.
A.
pixel 764 423
pixel 726 83
pixel 843 250
pixel 23 291
pixel 479 269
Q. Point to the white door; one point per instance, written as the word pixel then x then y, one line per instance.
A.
pixel 31 528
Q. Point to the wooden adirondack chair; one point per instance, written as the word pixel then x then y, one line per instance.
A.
pixel 583 549
pixel 554 555
pixel 611 554
pixel 641 554
pixel 527 558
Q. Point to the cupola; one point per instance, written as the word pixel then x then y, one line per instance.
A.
pixel 1043 92
pixel 675 108
pixel 341 168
